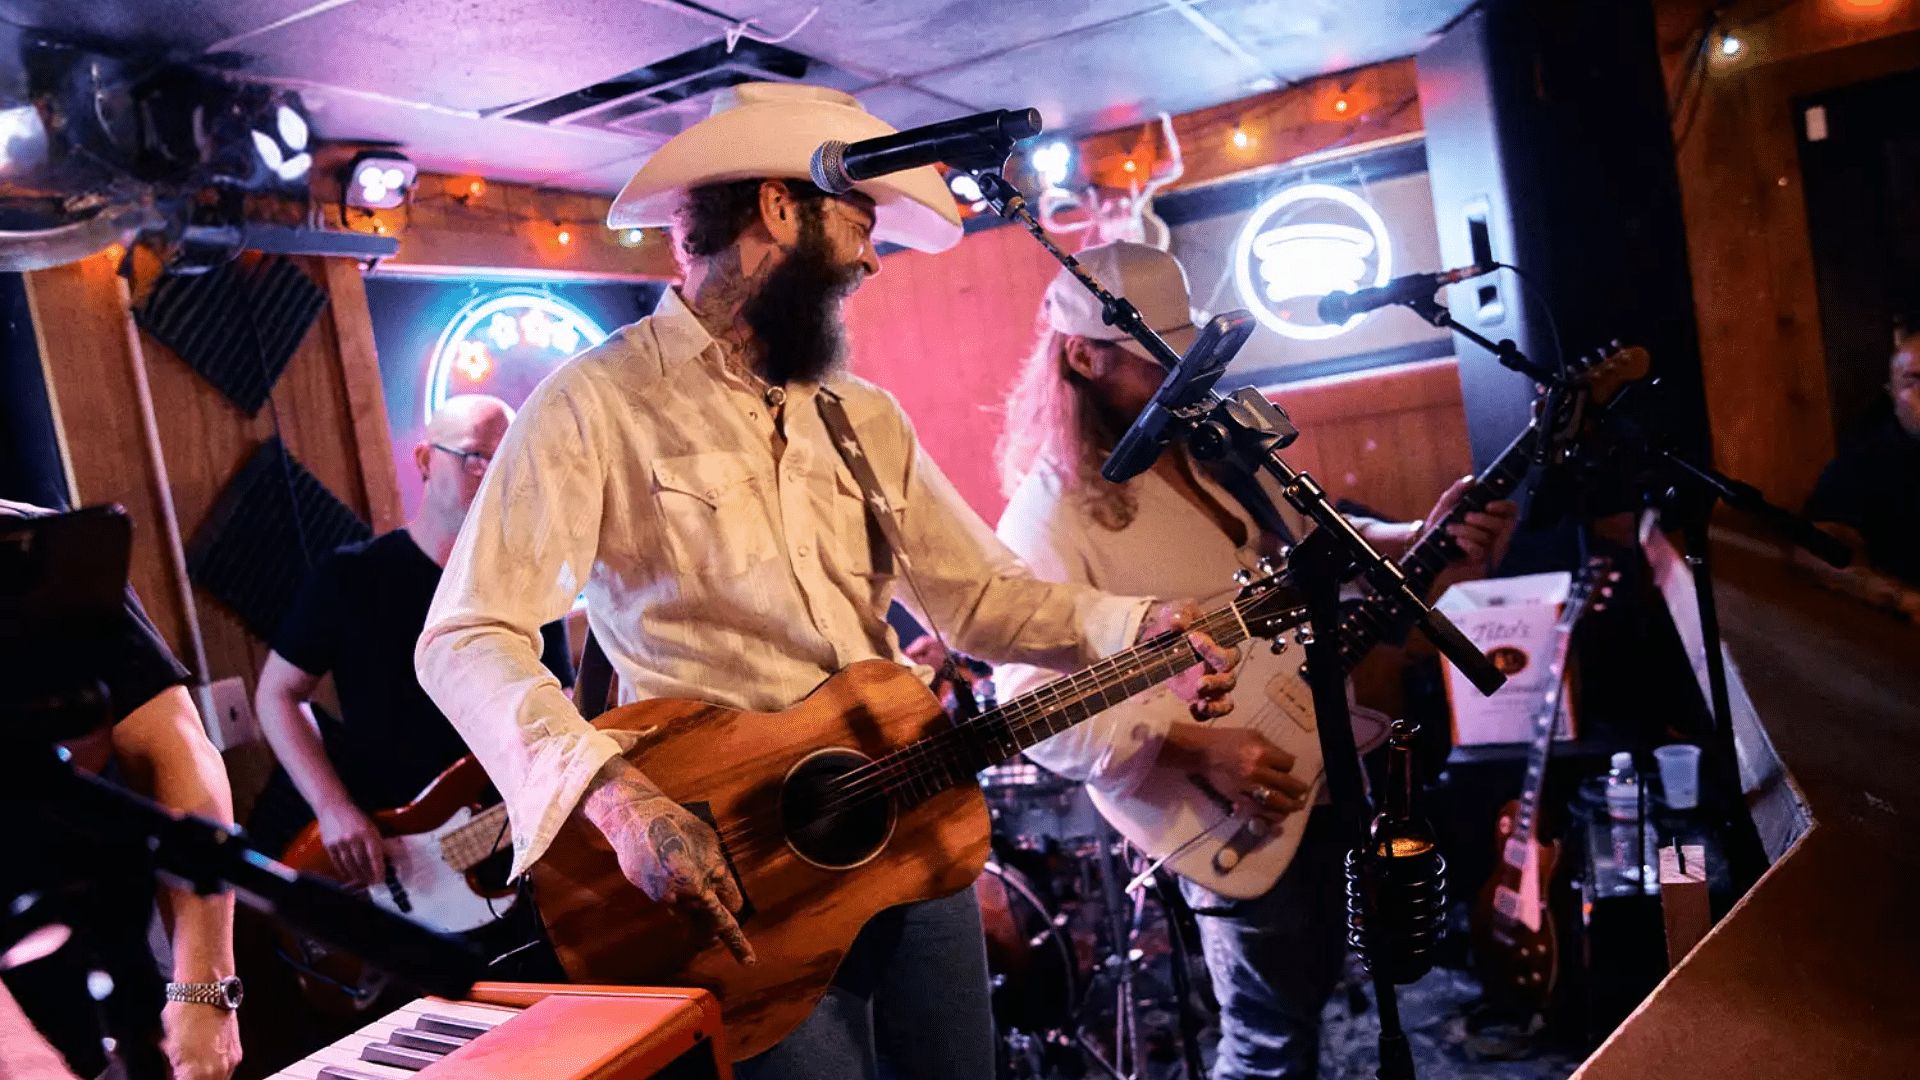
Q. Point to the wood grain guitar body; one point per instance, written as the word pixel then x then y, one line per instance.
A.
pixel 758 777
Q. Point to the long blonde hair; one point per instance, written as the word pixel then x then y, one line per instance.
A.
pixel 1055 420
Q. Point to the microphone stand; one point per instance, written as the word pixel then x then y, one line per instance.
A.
pixel 1248 431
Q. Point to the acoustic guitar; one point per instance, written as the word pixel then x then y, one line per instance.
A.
pixel 1171 815
pixel 860 798
pixel 1515 944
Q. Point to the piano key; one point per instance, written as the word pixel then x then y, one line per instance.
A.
pixel 346 1058
pixel 415 1039
pixel 385 1053
pixel 440 1024
pixel 335 1072
pixel 483 1015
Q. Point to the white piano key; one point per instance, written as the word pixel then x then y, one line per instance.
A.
pixel 350 1059
pixel 486 1015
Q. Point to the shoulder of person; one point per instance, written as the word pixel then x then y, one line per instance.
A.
pixel 1039 509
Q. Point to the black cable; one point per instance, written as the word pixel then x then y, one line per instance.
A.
pixel 1545 304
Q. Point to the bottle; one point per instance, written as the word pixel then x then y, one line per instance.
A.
pixel 1409 871
pixel 1623 815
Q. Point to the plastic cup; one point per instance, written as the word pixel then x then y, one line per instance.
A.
pixel 1679 774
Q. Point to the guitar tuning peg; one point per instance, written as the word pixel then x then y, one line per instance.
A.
pixel 1268 567
pixel 1243 578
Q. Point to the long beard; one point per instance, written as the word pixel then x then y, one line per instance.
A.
pixel 795 315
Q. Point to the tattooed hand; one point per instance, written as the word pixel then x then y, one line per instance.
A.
pixel 666 852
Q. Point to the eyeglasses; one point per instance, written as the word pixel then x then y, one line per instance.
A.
pixel 473 461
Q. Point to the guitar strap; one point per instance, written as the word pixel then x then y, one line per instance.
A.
pixel 881 515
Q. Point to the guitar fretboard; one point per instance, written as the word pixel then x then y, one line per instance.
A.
pixel 1365 624
pixel 925 768
pixel 469 845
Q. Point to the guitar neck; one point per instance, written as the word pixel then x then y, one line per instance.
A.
pixel 1527 818
pixel 931 765
pixel 469 845
pixel 1364 625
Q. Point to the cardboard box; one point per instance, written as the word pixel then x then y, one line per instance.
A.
pixel 1512 621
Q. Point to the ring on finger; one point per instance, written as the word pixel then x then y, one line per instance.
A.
pixel 1261 794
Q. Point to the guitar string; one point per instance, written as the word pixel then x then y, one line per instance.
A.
pixel 945 755
pixel 1364 621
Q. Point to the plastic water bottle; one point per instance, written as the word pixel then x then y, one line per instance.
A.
pixel 1623 813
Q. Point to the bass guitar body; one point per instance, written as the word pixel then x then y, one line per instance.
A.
pixel 431 879
pixel 810 880
pixel 1517 952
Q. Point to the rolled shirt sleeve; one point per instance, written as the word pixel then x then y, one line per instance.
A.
pixel 527 545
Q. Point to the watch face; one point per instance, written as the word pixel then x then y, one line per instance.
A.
pixel 230 987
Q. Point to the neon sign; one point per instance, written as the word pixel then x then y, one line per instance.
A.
pixel 503 344
pixel 1305 242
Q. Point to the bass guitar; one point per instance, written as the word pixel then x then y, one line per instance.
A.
pixel 1513 931
pixel 860 798
pixel 434 846
pixel 1173 817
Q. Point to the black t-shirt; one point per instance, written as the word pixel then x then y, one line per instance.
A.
pixel 358 615
pixel 1874 487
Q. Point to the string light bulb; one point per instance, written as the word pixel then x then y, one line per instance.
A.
pixel 565 238
pixel 476 187
pixel 1241 138
pixel 1730 46
pixel 1130 166
pixel 1340 106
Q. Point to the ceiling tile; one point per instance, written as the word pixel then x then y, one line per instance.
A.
pixel 150 26
pixel 1299 39
pixel 892 38
pixel 464 54
pixel 904 107
pixel 1106 77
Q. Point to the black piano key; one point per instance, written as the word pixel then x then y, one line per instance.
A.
pixel 398 1057
pixel 335 1072
pixel 450 1025
pixel 413 1039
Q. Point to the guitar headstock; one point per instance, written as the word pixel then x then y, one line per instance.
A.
pixel 1618 366
pixel 1591 590
pixel 1270 605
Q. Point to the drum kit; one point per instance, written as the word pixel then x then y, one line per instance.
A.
pixel 1095 963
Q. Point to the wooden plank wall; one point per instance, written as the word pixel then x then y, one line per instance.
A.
pixel 329 409
pixel 1752 263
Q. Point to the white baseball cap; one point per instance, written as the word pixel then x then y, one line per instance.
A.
pixel 1147 276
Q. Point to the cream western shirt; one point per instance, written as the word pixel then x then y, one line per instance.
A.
pixel 643 473
pixel 1169 549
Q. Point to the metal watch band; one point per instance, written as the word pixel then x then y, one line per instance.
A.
pixel 220 994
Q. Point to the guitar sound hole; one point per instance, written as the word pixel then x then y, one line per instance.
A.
pixel 828 818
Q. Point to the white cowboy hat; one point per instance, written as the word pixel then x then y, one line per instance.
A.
pixel 771 130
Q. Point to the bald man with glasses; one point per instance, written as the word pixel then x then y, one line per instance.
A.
pixel 357 617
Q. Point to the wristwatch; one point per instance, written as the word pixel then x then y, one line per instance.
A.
pixel 224 994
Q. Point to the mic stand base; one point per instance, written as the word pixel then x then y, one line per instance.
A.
pixel 1318 565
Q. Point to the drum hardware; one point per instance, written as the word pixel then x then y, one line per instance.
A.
pixel 1081 979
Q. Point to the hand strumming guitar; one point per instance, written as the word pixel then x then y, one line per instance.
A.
pixel 1207 687
pixel 665 851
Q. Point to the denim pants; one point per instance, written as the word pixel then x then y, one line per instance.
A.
pixel 1276 958
pixel 910 1002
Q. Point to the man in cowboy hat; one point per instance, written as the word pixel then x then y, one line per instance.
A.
pixel 682 474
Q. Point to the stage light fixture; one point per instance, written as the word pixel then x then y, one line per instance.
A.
pixel 379 179
pixel 1730 46
pixel 1052 162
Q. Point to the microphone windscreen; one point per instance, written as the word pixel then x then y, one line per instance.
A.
pixel 829 172
pixel 1333 308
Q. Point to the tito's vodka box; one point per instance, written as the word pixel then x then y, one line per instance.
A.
pixel 1512 621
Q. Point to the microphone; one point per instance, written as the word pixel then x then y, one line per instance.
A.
pixel 1338 307
pixel 973 140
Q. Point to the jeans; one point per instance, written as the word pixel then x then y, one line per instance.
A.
pixel 910 1002
pixel 1275 959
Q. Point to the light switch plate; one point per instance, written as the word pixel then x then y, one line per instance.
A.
pixel 227 713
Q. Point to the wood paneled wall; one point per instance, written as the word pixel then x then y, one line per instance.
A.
pixel 1747 240
pixel 328 406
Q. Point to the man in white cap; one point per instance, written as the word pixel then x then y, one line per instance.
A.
pixel 1174 530
pixel 683 475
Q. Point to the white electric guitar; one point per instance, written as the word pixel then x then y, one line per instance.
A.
pixel 1172 817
